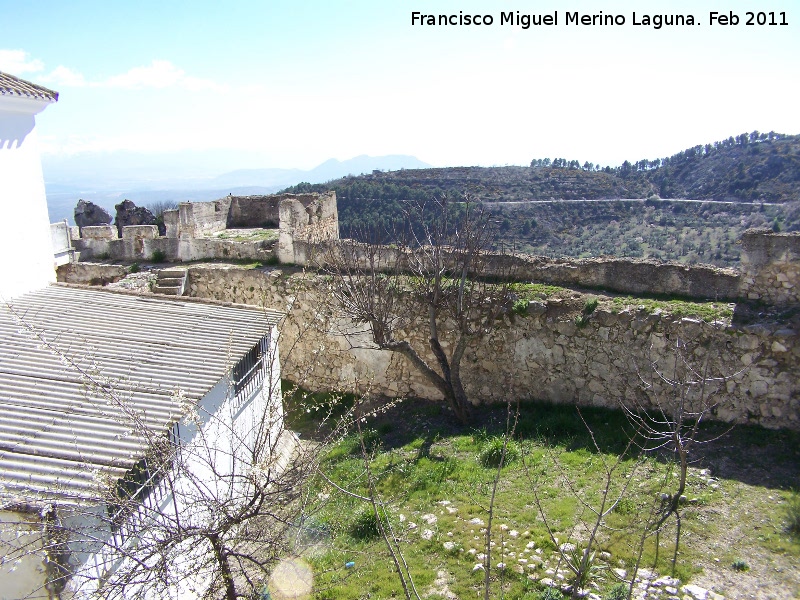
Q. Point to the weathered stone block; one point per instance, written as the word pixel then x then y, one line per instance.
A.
pixel 139 232
pixel 99 232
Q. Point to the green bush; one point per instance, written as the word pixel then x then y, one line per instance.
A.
pixel 551 593
pixel 492 452
pixel 365 526
pixel 520 307
pixel 618 591
pixel 372 441
pixel 158 256
pixel 135 268
pixel 740 565
pixel 590 305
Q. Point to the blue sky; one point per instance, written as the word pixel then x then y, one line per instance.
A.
pixel 291 84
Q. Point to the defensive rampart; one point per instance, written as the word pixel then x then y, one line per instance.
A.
pixel 196 230
pixel 770 267
pixel 544 354
pixel 549 353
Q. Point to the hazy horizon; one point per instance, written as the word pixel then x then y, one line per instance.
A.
pixel 291 85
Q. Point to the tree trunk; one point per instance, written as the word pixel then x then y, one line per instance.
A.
pixel 224 568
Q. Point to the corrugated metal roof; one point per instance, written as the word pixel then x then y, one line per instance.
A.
pixel 79 368
pixel 14 86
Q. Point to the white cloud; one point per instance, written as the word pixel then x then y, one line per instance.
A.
pixel 64 76
pixel 160 74
pixel 18 62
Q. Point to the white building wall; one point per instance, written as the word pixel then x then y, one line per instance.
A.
pixel 25 575
pixel 220 440
pixel 26 254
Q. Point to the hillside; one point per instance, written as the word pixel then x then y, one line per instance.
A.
pixel 749 167
pixel 752 180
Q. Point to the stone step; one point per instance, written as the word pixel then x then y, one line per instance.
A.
pixel 181 273
pixel 171 281
pixel 168 290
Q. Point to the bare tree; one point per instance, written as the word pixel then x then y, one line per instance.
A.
pixel 679 392
pixel 579 550
pixel 438 277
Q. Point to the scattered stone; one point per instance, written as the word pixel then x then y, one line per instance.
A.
pixel 546 581
pixel 130 214
pixel 476 521
pixel 449 546
pixel 695 591
pixel 88 214
pixel 606 556
pixel 530 545
pixel 567 547
pixel 645 574
pixel 427 534
pixel 429 518
pixel 621 573
pixel 501 566
pixel 412 526
pixel 513 533
pixel 477 567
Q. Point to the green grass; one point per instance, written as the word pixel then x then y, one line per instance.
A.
pixel 537 291
pixel 248 235
pixel 707 311
pixel 438 482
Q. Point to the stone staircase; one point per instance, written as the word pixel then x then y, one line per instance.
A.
pixel 171 282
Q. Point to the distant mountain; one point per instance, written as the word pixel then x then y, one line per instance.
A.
pixel 330 169
pixel 749 167
pixel 141 178
pixel 754 180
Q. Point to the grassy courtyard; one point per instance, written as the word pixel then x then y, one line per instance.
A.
pixel 434 483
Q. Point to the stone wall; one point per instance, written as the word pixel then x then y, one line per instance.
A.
pixel 91 273
pixel 628 276
pixel 305 220
pixel 191 228
pixel 254 211
pixel 543 355
pixel 770 267
pixel 197 219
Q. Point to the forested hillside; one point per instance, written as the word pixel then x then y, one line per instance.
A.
pixel 752 180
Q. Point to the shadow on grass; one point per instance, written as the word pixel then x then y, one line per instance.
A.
pixel 746 453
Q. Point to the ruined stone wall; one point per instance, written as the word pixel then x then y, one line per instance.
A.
pixel 305 220
pixel 770 266
pixel 543 355
pixel 199 219
pixel 254 211
pixel 91 273
pixel 625 275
